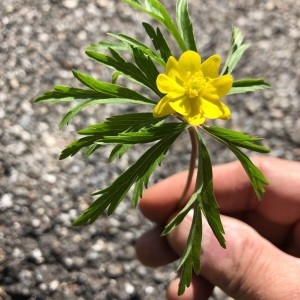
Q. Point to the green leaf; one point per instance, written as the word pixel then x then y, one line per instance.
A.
pixel 159 41
pixel 76 109
pixel 248 85
pixel 237 138
pixel 91 150
pixel 237 49
pixel 104 45
pixel 146 135
pixel 121 123
pixel 62 93
pixel 76 146
pixel 182 214
pixel 127 68
pixel 190 260
pixel 209 204
pixel 147 66
pixel 112 126
pixel 157 11
pixel 118 151
pixel 115 76
pixel 142 183
pixel 110 89
pixel 112 196
pixel 101 93
pixel 185 25
pixel 131 42
pixel 257 179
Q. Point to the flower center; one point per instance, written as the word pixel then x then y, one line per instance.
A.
pixel 194 84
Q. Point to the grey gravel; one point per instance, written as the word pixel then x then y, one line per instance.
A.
pixel 41 255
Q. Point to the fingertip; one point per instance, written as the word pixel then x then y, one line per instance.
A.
pixel 153 250
pixel 160 201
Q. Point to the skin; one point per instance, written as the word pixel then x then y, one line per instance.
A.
pixel 262 257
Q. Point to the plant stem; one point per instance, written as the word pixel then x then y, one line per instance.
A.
pixel 193 159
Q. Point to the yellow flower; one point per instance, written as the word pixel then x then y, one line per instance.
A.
pixel 193 89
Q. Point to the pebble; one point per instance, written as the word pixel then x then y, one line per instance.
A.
pixel 53 285
pixel 6 201
pixel 70 3
pixel 129 288
pixel 36 256
pixel 114 270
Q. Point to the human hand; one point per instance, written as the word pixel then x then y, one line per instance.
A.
pixel 261 260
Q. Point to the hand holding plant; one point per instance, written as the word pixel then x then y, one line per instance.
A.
pixel 183 96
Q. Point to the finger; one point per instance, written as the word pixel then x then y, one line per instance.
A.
pixel 276 214
pixel 281 201
pixel 234 192
pixel 200 289
pixel 153 250
pixel 160 201
pixel 293 242
pixel 249 261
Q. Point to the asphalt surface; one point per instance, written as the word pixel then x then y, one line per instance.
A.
pixel 41 255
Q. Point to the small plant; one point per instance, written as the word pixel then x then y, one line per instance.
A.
pixel 183 97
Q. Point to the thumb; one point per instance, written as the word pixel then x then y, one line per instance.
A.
pixel 249 268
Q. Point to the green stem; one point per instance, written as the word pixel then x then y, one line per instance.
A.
pixel 193 159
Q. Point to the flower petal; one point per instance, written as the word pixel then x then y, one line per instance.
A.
pixel 210 92
pixel 167 85
pixel 227 113
pixel 181 106
pixel 210 67
pixel 215 109
pixel 196 116
pixel 212 109
pixel 223 84
pixel 172 68
pixel 189 61
pixel 163 108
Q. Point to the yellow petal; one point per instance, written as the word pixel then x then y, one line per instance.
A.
pixel 163 108
pixel 189 61
pixel 215 109
pixel 195 120
pixel 172 68
pixel 196 116
pixel 212 109
pixel 166 84
pixel 181 106
pixel 210 92
pixel 210 67
pixel 223 84
pixel 226 112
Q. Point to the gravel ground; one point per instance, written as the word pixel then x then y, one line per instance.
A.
pixel 42 256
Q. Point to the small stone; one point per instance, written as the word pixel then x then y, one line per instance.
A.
pixel 17 252
pixel 49 178
pixel 36 256
pixel 114 270
pixel 14 83
pixel 98 246
pixel 53 285
pixel 6 202
pixel 35 223
pixel 149 289
pixel 68 262
pixel 129 288
pixel 70 3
